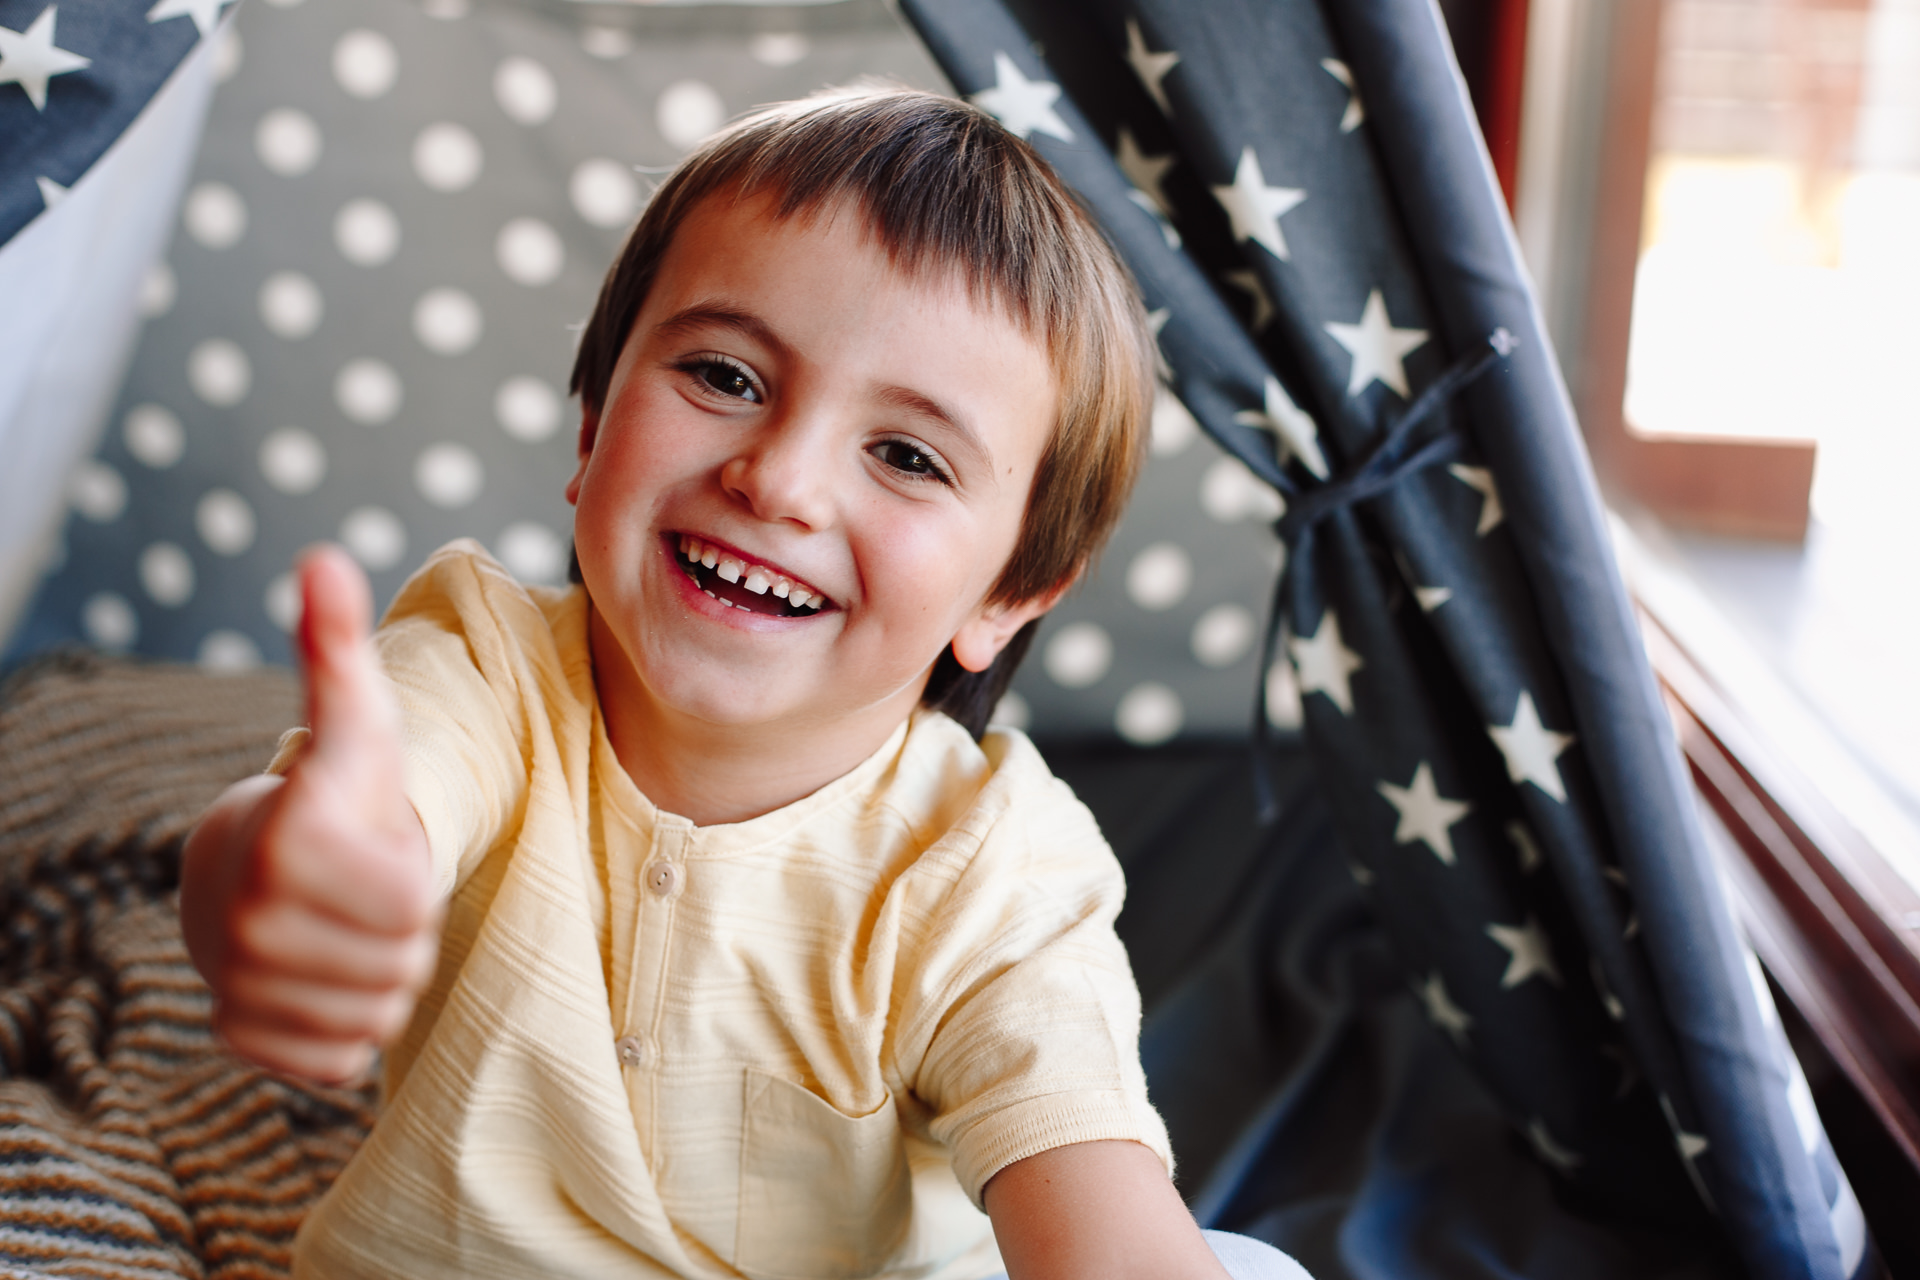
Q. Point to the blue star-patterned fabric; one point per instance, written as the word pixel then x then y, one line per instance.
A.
pixel 1303 196
pixel 73 75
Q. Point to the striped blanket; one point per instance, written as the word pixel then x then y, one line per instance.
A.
pixel 130 1144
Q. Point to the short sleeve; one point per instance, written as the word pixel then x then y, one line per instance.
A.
pixel 1029 1037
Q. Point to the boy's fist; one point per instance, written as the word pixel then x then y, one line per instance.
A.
pixel 307 902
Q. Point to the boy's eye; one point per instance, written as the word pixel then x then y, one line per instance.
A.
pixel 910 459
pixel 725 377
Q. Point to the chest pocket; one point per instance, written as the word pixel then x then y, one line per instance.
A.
pixel 823 1195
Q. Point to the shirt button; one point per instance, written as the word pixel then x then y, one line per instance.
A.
pixel 631 1050
pixel 662 879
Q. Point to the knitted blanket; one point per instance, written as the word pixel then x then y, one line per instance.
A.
pixel 131 1145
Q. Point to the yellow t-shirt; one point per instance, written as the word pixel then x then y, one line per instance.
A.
pixel 795 1047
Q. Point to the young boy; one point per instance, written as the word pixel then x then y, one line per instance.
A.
pixel 752 961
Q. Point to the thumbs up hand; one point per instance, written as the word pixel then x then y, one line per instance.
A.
pixel 307 901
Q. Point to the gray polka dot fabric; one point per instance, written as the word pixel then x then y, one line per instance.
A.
pixel 363 327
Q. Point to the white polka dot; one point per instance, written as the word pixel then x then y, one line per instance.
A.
pixel 282 602
pixel 533 552
pixel 287 141
pixel 97 491
pixel 1149 714
pixel 527 408
pixel 167 573
pixel 525 90
pixel 224 652
pixel 1223 635
pixel 375 536
pixel 1158 578
pixel 606 42
pixel 1283 696
pixel 444 10
pixel 1011 712
pixel 1173 427
pixel 448 475
pixel 157 291
pixel 1230 492
pixel 292 460
pixel 366 232
pixel 778 48
pixel 227 55
pixel 225 521
pixel 219 372
pixel 365 64
pixel 529 251
pixel 215 215
pixel 687 112
pixel 446 157
pixel 367 391
pixel 1078 655
pixel 290 304
pixel 154 436
pixel 446 321
pixel 604 193
pixel 110 621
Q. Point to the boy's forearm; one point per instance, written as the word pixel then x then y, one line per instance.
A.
pixel 213 863
pixel 1096 1211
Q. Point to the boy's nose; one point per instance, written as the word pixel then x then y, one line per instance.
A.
pixel 784 472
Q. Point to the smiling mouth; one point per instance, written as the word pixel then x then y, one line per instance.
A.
pixel 743 584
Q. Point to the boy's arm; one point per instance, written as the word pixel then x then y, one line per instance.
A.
pixel 1098 1211
pixel 307 901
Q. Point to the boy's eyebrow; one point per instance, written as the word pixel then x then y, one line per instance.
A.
pixel 960 433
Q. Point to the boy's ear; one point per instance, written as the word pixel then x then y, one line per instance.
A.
pixel 984 635
pixel 589 429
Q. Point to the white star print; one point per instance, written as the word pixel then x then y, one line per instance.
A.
pixel 1325 664
pixel 1424 813
pixel 1690 1146
pixel 1024 106
pixel 1608 1001
pixel 29 58
pixel 1168 231
pixel 1528 953
pixel 1247 279
pixel 1491 512
pixel 1442 1011
pixel 205 13
pixel 1552 1152
pixel 51 192
pixel 1355 113
pixel 1255 207
pixel 1378 349
pixel 1142 170
pixel 1151 67
pixel 1294 426
pixel 1532 750
pixel 1526 846
pixel 1156 321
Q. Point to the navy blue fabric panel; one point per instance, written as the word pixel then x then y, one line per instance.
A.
pixel 129 50
pixel 1524 426
pixel 1309 1102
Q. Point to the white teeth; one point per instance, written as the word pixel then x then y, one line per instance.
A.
pixel 757 582
pixel 758 578
pixel 798 597
pixel 781 586
pixel 730 569
pixel 709 557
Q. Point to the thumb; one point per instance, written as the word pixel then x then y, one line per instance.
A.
pixel 350 709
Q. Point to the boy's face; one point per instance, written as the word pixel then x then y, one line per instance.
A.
pixel 794 410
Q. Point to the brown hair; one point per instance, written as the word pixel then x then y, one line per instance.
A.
pixel 943 186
